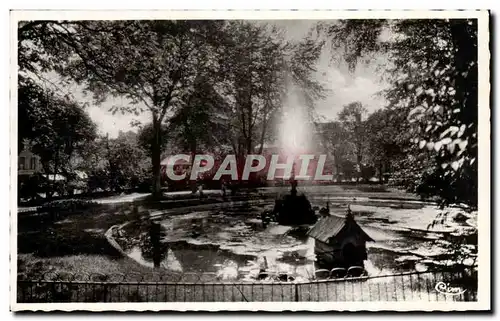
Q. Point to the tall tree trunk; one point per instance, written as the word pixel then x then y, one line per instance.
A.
pixel 380 173
pixel 249 145
pixel 358 170
pixel 155 158
pixel 263 136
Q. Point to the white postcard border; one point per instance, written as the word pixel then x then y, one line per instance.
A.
pixel 484 179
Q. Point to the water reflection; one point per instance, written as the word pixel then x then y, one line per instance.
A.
pixel 232 243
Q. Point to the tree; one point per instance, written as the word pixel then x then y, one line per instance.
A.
pixel 93 154
pixel 244 69
pixel 336 140
pixel 127 167
pixel 155 64
pixel 259 69
pixel 352 120
pixel 195 123
pixel 433 82
pixel 55 127
pixel 146 138
pixel 386 141
pixel 152 64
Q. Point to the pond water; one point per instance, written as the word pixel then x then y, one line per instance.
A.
pixel 230 241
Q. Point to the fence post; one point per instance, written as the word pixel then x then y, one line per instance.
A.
pixel 296 292
pixel 105 292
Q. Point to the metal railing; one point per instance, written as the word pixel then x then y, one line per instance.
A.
pixel 414 286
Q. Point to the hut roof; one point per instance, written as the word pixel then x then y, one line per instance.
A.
pixel 331 226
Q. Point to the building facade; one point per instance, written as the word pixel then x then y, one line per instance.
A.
pixel 28 163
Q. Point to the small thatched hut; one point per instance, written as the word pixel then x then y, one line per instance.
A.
pixel 339 242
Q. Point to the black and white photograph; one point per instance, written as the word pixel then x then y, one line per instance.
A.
pixel 250 160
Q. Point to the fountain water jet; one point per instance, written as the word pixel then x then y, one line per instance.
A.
pixel 295 131
pixel 296 138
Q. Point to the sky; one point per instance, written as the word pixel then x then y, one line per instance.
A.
pixel 342 87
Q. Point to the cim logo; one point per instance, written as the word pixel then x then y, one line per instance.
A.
pixel 446 289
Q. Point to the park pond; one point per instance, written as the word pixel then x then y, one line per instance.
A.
pixel 229 240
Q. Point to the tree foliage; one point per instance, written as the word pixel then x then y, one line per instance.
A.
pixel 153 64
pixel 336 139
pixel 200 123
pixel 385 141
pixel 116 164
pixel 55 127
pixel 52 125
pixel 163 67
pixel 146 138
pixel 352 119
pixel 433 84
pixel 127 164
pixel 259 69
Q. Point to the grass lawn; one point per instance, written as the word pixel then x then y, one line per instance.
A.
pixel 82 266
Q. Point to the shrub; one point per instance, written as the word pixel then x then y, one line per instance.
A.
pixel 67 205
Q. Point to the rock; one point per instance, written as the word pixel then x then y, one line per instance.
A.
pixel 294 210
pixel 283 277
pixel 460 217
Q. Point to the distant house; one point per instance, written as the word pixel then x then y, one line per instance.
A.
pixel 28 163
pixel 28 166
pixel 339 242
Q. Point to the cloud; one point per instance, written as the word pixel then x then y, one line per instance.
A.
pixel 359 89
pixel 107 122
pixel 344 87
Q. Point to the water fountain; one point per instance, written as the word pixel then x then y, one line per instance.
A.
pixel 296 136
pixel 294 208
